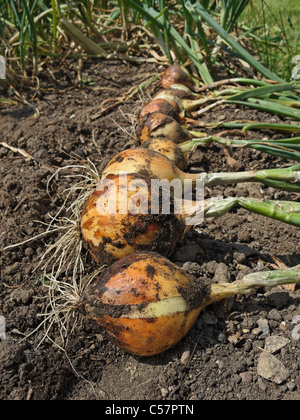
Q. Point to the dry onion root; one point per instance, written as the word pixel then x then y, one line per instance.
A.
pixel 113 228
pixel 148 304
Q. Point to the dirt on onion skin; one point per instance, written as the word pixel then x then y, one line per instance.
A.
pixel 224 343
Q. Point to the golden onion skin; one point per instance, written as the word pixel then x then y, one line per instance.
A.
pixel 169 149
pixel 110 237
pixel 159 105
pixel 176 74
pixel 144 163
pixel 162 126
pixel 174 94
pixel 146 303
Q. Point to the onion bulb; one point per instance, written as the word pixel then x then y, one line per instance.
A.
pixel 176 74
pixel 163 126
pixel 169 149
pixel 146 163
pixel 145 302
pixel 118 220
pixel 181 98
pixel 177 93
pixel 162 106
pixel 148 304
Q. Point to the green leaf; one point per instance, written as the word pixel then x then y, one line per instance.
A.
pixel 269 106
pixel 244 54
pixel 265 90
pixel 156 19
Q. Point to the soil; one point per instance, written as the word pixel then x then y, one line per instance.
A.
pixel 220 359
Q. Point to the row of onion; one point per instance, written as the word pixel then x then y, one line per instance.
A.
pixel 143 300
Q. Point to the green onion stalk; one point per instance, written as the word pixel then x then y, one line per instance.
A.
pixel 285 179
pixel 283 211
pixel 251 281
pixel 252 125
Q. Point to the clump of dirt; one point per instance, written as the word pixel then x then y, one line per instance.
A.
pixel 224 348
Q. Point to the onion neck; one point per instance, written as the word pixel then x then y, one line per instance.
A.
pixel 250 282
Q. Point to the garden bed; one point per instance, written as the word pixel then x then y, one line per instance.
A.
pixel 221 358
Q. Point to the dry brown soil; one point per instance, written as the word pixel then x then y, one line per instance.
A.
pixel 219 358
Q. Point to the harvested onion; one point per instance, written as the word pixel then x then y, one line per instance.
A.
pixel 181 98
pixel 169 149
pixel 162 106
pixel 176 74
pixel 118 220
pixel 147 304
pixel 147 163
pixel 163 126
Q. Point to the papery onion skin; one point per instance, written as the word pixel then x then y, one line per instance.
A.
pixel 144 163
pixel 172 93
pixel 146 303
pixel 176 74
pixel 110 237
pixel 169 149
pixel 159 105
pixel 163 126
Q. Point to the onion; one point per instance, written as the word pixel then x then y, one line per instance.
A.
pixel 117 220
pixel 162 106
pixel 169 149
pixel 176 74
pixel 163 126
pixel 181 98
pixel 146 163
pixel 183 89
pixel 147 304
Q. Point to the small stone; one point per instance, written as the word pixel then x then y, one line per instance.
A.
pixel 275 342
pixel 282 326
pixel 221 274
pixel 262 385
pixel 296 319
pixel 248 346
pixel 164 392
pixel 256 331
pixel 275 315
pixel 211 267
pixel 191 268
pixel 296 332
pixel 263 325
pixel 270 368
pixel 185 358
pixel 237 379
pixel 291 386
pixel 247 377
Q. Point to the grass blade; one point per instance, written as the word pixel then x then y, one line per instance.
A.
pixel 265 90
pixel 268 106
pixel 233 43
pixel 83 40
pixel 155 18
